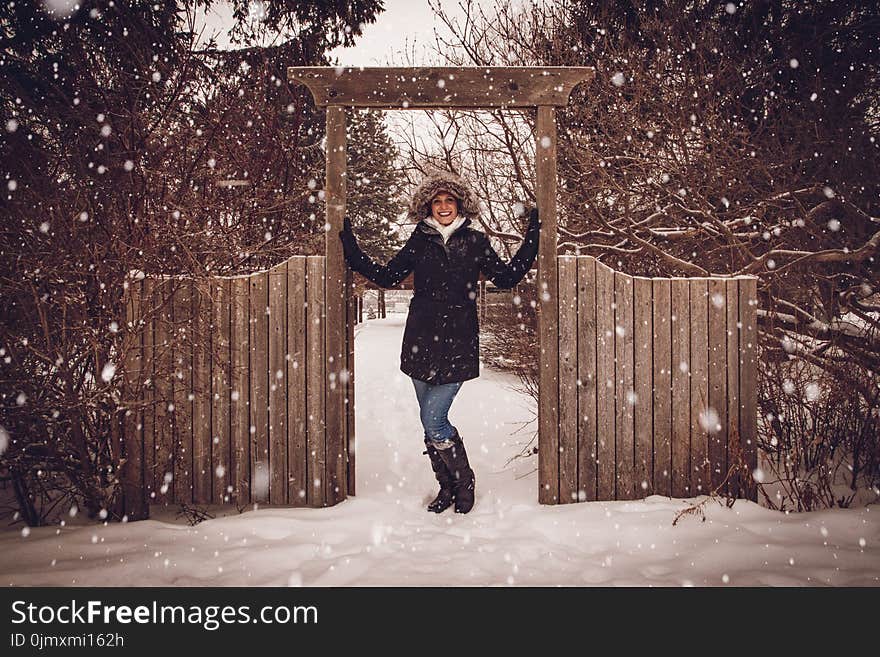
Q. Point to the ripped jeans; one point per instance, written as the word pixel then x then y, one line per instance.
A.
pixel 434 403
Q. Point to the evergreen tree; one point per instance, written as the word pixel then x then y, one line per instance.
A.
pixel 375 185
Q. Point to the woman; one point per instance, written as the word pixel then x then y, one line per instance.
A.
pixel 441 347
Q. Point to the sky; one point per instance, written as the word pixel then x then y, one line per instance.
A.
pixel 384 536
pixel 405 26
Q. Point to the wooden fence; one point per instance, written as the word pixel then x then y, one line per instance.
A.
pixel 228 383
pixel 656 386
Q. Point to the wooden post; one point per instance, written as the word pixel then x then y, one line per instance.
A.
pixel 547 300
pixel 337 283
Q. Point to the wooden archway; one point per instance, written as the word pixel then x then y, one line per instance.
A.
pixel 541 89
pixel 263 397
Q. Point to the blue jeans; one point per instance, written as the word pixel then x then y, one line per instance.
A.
pixel 434 403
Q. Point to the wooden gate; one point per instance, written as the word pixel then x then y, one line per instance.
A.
pixel 656 386
pixel 618 416
pixel 228 381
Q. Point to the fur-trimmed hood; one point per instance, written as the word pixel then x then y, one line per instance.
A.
pixel 438 180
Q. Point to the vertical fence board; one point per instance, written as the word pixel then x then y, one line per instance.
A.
pixel 681 395
pixel 183 417
pixel 623 357
pixel 132 474
pixel 748 378
pixel 201 384
pixel 605 407
pixel 163 463
pixel 587 421
pixel 259 386
pixel 278 384
pixel 731 294
pixel 336 294
pixel 316 456
pixel 643 375
pixel 662 385
pixel 221 386
pixel 297 420
pixel 149 311
pixel 699 362
pixel 716 420
pixel 568 349
pixel 239 399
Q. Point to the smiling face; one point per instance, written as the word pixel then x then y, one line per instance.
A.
pixel 444 208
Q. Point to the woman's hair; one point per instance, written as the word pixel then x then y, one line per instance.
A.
pixel 437 181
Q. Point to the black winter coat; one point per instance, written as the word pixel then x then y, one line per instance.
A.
pixel 441 339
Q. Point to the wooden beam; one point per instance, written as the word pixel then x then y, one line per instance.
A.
pixel 420 88
pixel 548 320
pixel 336 293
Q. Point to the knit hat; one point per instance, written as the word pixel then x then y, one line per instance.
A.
pixel 436 181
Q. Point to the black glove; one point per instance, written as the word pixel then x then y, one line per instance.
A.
pixel 534 228
pixel 534 223
pixel 349 242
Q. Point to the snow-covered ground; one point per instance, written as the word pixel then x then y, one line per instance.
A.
pixel 384 535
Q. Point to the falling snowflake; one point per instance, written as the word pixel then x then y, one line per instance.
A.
pixel 710 421
pixel 60 9
pixel 260 481
pixel 108 371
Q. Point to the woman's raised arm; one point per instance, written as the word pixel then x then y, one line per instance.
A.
pixel 384 276
pixel 505 276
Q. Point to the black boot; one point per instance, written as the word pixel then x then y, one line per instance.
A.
pixel 456 461
pixel 444 498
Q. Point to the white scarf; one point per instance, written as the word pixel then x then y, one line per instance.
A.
pixel 445 231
